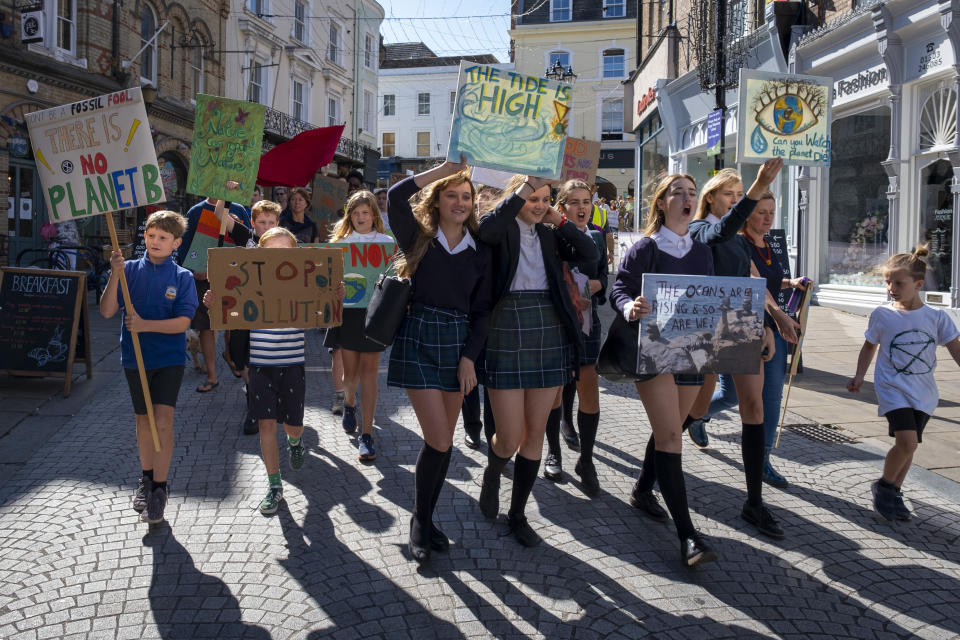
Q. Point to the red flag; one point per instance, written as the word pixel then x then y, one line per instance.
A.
pixel 294 163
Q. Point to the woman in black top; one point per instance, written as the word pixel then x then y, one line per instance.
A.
pixel 440 339
pixel 731 258
pixel 295 218
pixel 573 201
pixel 533 347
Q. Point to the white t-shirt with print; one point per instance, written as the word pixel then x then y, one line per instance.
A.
pixel 907 355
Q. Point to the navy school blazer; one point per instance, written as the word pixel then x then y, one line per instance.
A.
pixel 564 243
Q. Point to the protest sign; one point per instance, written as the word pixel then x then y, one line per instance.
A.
pixel 490 177
pixel 95 156
pixel 701 324
pixel 227 143
pixel 714 124
pixel 778 249
pixel 274 288
pixel 363 262
pixel 329 196
pixel 207 236
pixel 580 160
pixel 510 121
pixel 784 116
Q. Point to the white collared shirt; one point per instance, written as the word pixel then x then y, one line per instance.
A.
pixel 531 273
pixel 673 244
pixel 712 219
pixel 465 243
pixel 373 236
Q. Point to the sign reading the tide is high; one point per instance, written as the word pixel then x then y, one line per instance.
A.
pixel 510 121
pixel 784 116
pixel 95 156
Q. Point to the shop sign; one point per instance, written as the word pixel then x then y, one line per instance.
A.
pixel 928 57
pixel 31 24
pixel 616 159
pixel 19 145
pixel 646 100
pixel 860 83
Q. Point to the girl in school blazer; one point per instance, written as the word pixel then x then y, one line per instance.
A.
pixel 731 258
pixel 573 201
pixel 534 343
pixel 442 335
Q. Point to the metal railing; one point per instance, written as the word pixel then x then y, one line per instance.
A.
pixel 286 126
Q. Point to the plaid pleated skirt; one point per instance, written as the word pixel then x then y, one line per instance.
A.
pixel 527 344
pixel 591 343
pixel 426 351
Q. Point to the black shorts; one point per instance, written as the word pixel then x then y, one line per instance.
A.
pixel 350 334
pixel 679 379
pixel 277 393
pixel 906 419
pixel 201 319
pixel 164 385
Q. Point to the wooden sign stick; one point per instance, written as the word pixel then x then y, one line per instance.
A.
pixel 794 364
pixel 222 211
pixel 128 303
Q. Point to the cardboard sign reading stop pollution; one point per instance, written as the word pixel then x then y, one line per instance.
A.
pixel 701 324
pixel 95 156
pixel 275 288
pixel 363 262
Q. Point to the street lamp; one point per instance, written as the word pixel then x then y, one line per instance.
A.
pixel 558 73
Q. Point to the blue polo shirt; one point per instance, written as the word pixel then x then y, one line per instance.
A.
pixel 158 292
pixel 193 219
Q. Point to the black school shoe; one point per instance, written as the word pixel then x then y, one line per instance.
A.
pixel 588 477
pixel 569 435
pixel 438 539
pixel 647 502
pixel 552 469
pixel 522 531
pixel 490 494
pixel 900 509
pixel 695 549
pixel 760 517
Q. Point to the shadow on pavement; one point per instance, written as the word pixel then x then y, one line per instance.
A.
pixel 187 603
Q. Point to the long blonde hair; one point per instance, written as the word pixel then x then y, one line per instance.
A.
pixel 655 215
pixel 344 225
pixel 513 184
pixel 427 214
pixel 280 232
pixel 723 178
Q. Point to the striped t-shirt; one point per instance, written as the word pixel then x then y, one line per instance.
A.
pixel 276 347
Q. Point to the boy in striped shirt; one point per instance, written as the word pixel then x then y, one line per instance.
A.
pixel 277 386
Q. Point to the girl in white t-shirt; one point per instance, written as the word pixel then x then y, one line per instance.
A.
pixel 361 222
pixel 907 333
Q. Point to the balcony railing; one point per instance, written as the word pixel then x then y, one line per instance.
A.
pixel 286 126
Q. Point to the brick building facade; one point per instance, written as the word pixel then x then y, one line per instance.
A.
pixel 92 48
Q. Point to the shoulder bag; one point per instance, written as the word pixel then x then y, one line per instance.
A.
pixel 387 308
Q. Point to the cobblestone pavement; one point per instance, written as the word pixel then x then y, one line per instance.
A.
pixel 76 562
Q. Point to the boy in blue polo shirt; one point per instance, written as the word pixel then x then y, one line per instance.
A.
pixel 164 299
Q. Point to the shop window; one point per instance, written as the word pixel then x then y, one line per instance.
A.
pixel 938 120
pixel 936 223
pixel 857 209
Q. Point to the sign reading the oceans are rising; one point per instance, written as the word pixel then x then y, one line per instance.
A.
pixel 363 262
pixel 510 121
pixel 227 144
pixel 95 156
pixel 701 324
pixel 784 116
pixel 274 288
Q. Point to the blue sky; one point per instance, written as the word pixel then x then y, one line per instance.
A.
pixel 450 27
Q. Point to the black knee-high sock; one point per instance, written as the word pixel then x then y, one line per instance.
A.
pixel 674 491
pixel 648 472
pixel 489 424
pixel 524 475
pixel 445 465
pixel 553 432
pixel 752 445
pixel 426 477
pixel 495 464
pixel 569 391
pixel 587 424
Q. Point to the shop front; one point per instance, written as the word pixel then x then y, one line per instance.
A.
pixel 894 157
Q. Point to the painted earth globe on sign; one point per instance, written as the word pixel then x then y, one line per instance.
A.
pixel 788 113
pixel 356 286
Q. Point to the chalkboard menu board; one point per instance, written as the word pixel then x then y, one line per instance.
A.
pixel 778 245
pixel 40 313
